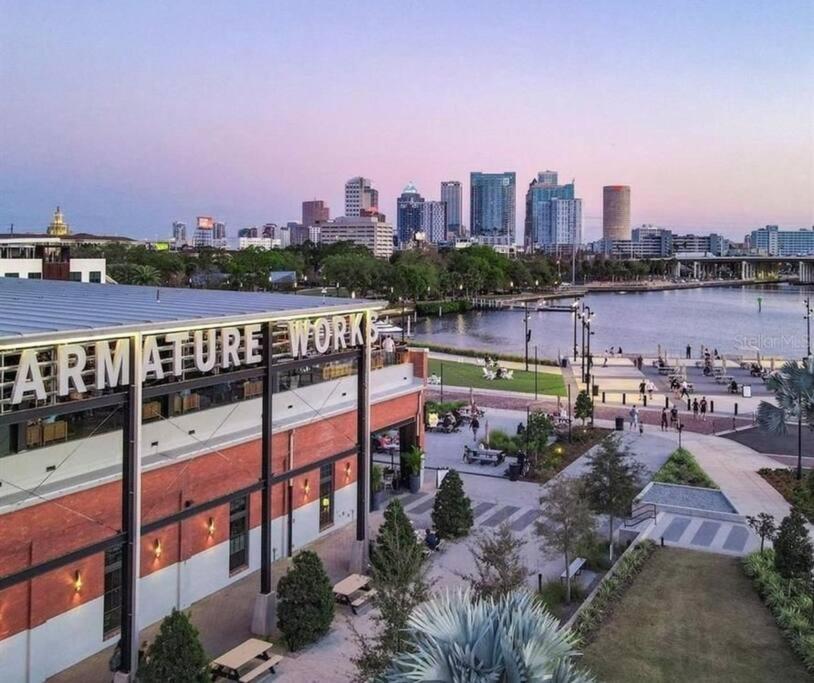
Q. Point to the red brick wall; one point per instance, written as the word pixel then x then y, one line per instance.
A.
pixel 54 528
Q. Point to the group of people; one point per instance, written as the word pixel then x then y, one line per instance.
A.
pixel 704 352
pixel 669 418
pixel 610 353
pixel 646 386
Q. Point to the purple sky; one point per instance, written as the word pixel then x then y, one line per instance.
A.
pixel 133 116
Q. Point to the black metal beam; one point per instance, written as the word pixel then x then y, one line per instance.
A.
pixel 130 521
pixel 201 382
pixel 265 466
pixel 41 568
pixel 362 436
pixel 105 401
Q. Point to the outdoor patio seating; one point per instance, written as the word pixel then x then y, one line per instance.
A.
pixel 234 664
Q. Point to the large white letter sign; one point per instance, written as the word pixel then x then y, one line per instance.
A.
pixel 251 343
pixel 29 378
pixel 110 372
pixel 66 372
pixel 356 338
pixel 340 330
pixel 152 359
pixel 177 340
pixel 322 335
pixel 211 356
pixel 230 345
pixel 298 337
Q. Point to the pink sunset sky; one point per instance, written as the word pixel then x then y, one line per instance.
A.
pixel 134 115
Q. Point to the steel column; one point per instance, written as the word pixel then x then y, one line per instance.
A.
pixel 265 466
pixel 363 432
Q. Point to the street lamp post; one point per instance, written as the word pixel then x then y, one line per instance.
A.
pixel 526 332
pixel 574 306
pixel 807 316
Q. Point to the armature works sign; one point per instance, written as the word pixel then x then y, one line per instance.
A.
pixel 213 348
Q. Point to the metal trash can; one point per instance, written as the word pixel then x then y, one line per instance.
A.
pixel 563 362
pixel 620 424
pixel 747 390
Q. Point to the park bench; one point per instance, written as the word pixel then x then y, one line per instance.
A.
pixel 259 670
pixel 360 600
pixel 490 456
pixel 574 569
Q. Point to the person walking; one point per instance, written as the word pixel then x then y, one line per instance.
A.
pixel 689 351
pixel 664 419
pixel 642 388
pixel 674 416
pixel 389 347
pixel 650 388
pixel 605 359
pixel 475 426
pixel 633 416
pixel 703 407
pixel 695 409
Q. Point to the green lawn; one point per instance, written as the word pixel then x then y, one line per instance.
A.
pixel 692 616
pixel 468 375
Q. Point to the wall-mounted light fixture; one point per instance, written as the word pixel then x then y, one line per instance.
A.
pixel 157 548
pixel 306 488
pixel 77 581
pixel 347 472
pixel 210 527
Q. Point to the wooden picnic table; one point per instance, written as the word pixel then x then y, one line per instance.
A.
pixel 230 663
pixel 354 583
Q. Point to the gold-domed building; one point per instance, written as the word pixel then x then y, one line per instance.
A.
pixel 58 227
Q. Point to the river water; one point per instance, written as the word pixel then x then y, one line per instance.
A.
pixel 723 318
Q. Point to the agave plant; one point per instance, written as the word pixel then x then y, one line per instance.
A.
pixel 459 639
pixel 793 388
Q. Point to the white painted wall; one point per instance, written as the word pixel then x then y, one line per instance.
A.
pixel 21 266
pixel 77 634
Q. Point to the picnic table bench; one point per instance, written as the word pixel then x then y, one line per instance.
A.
pixel 354 590
pixel 484 456
pixel 574 568
pixel 230 664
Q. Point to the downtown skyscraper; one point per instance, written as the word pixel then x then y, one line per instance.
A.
pixel 492 204
pixel 360 198
pixel 451 196
pixel 553 214
pixel 408 213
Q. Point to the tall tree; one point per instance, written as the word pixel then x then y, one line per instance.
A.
pixel 763 525
pixel 566 522
pixel 498 560
pixel 176 654
pixel 611 483
pixel 305 601
pixel 793 388
pixel 511 639
pixel 793 558
pixel 452 510
pixel 399 578
pixel 583 407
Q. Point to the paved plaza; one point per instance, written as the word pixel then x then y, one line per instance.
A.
pixel 223 618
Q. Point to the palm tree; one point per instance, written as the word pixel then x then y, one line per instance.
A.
pixel 144 275
pixel 793 387
pixel 458 638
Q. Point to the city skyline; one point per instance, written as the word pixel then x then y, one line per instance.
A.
pixel 129 140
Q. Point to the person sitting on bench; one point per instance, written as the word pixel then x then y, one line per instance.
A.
pixel 431 539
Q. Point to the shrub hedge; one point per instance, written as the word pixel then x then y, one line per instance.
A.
pixel 610 591
pixel 791 605
pixel 452 306
pixel 682 468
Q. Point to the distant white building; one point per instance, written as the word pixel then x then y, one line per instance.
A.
pixel 258 242
pixel 360 197
pixel 368 231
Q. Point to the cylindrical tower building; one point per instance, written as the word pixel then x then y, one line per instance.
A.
pixel 616 212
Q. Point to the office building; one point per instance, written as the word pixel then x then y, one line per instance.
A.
pixel 408 213
pixel 772 241
pixel 647 241
pixel 247 242
pixel 553 214
pixel 492 204
pixel 184 453
pixel 204 226
pixel 360 198
pixel 616 212
pixel 367 231
pixel 305 233
pixel 314 212
pixel 714 244
pixel 451 196
pixel 179 234
pixel 433 221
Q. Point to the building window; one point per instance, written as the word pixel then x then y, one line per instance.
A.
pixel 326 496
pixel 12 275
pixel 35 276
pixel 113 592
pixel 95 276
pixel 75 276
pixel 238 534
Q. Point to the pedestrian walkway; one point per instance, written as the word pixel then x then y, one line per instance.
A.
pixel 699 533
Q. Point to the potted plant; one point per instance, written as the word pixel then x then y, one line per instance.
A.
pixel 376 488
pixel 413 459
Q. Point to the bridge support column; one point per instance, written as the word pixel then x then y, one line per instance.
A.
pixel 677 270
pixel 696 267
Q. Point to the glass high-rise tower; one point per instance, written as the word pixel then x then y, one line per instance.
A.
pixel 492 204
pixel 451 196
